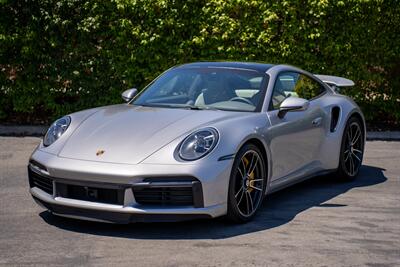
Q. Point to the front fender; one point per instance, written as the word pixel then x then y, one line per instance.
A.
pixel 76 119
pixel 233 133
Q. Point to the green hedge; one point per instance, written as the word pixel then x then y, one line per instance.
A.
pixel 57 57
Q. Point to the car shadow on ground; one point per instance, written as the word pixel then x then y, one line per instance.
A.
pixel 278 209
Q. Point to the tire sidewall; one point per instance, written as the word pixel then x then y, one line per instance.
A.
pixel 233 211
pixel 342 168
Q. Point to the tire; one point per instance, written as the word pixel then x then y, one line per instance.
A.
pixel 247 184
pixel 351 150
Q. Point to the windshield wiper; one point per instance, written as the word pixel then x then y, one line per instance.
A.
pixel 193 107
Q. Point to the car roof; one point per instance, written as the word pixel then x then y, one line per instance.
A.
pixel 261 67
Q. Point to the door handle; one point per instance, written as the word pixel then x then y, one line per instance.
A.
pixel 317 121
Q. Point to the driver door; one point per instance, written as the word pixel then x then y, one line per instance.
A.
pixel 296 138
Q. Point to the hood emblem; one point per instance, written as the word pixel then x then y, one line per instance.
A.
pixel 100 152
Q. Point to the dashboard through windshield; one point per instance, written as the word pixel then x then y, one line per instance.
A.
pixel 206 88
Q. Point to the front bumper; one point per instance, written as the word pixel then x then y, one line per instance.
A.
pixel 208 185
pixel 116 214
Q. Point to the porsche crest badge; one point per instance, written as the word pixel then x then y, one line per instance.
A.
pixel 100 152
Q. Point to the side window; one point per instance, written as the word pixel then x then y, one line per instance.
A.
pixel 294 84
pixel 307 88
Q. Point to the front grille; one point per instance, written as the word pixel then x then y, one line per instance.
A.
pixel 40 181
pixel 91 193
pixel 94 192
pixel 164 196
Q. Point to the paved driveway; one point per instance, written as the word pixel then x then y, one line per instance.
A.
pixel 316 223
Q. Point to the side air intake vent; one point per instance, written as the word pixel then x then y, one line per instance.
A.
pixel 181 191
pixel 40 181
pixel 334 118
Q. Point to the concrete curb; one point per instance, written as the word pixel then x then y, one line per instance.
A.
pixel 25 130
pixel 385 136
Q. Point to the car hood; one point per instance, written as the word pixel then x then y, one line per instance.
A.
pixel 128 134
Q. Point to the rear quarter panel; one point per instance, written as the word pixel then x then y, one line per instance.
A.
pixel 330 149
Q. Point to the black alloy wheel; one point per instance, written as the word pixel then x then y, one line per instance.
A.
pixel 247 184
pixel 352 150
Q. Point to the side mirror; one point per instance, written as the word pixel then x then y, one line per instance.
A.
pixel 292 104
pixel 129 94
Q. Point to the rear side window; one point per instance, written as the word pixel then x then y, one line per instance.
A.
pixel 307 88
pixel 294 84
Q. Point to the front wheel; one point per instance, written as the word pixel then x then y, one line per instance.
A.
pixel 247 184
pixel 352 150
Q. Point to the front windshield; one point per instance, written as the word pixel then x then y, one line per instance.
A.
pixel 205 88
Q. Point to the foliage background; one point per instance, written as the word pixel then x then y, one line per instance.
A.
pixel 59 56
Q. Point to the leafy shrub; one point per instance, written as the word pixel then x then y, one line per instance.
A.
pixel 61 56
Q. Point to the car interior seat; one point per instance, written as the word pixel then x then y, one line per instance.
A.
pixel 215 89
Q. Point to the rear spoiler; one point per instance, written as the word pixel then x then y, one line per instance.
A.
pixel 335 82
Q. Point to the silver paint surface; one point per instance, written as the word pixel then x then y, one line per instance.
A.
pixel 141 142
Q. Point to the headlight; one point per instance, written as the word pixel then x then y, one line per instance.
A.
pixel 56 130
pixel 198 144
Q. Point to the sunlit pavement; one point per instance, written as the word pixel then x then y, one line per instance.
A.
pixel 319 222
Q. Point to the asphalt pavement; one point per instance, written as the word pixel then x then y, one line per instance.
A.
pixel 319 222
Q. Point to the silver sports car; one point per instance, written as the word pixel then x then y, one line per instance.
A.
pixel 202 140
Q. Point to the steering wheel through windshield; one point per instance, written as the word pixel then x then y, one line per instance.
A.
pixel 241 99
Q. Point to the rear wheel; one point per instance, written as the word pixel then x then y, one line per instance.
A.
pixel 247 184
pixel 352 150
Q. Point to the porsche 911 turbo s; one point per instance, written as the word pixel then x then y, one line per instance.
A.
pixel 202 140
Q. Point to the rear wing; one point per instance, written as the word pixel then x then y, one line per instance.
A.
pixel 335 82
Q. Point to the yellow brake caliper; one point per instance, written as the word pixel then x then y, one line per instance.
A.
pixel 251 175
